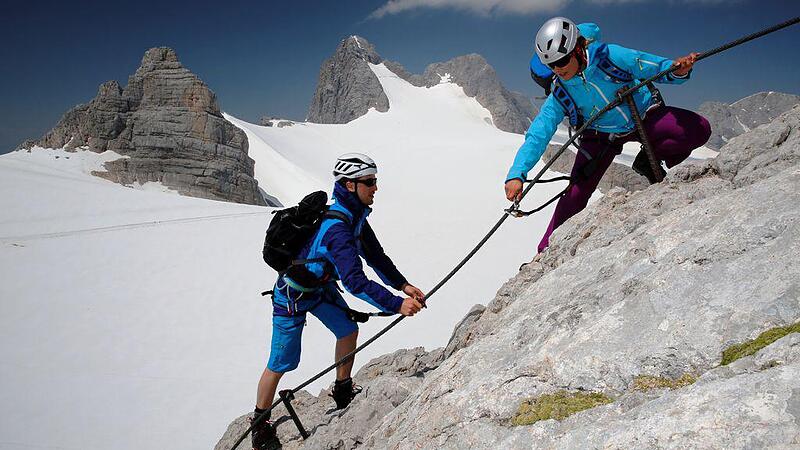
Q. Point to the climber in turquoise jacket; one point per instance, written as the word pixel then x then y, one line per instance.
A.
pixel 587 76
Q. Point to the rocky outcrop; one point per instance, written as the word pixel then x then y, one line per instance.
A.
pixel 728 121
pixel 387 381
pixel 168 125
pixel 274 122
pixel 347 87
pixel 652 284
pixel 511 111
pixel 618 175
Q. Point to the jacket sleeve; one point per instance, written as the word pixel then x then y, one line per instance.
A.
pixel 378 260
pixel 536 138
pixel 643 65
pixel 343 253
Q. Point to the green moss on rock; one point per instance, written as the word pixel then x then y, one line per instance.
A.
pixel 764 339
pixel 559 406
pixel 646 383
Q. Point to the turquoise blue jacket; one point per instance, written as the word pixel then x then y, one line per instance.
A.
pixel 592 90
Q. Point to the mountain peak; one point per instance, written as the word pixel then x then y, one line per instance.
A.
pixel 347 88
pixel 159 54
pixel 360 48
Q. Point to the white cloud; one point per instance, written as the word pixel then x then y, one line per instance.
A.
pixel 500 7
pixel 480 7
pixel 674 2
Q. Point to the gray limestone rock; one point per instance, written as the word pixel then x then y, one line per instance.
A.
pixel 656 282
pixel 168 125
pixel 387 382
pixel 347 88
pixel 729 121
pixel 618 175
pixel 772 148
pixel 462 335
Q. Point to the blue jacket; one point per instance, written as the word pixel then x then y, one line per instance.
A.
pixel 592 90
pixel 343 244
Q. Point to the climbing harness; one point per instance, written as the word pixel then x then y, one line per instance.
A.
pixel 286 396
pixel 310 283
pixel 292 309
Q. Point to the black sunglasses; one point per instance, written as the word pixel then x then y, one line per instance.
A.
pixel 561 62
pixel 369 182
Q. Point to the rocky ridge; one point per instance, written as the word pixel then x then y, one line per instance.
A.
pixel 729 121
pixel 168 126
pixel 653 283
pixel 347 88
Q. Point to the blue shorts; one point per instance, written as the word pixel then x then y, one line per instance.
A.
pixel 287 331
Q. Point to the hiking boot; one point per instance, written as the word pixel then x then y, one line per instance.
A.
pixel 263 436
pixel 535 259
pixel 344 391
pixel 641 165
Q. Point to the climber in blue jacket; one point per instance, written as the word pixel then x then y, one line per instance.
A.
pixel 587 74
pixel 343 239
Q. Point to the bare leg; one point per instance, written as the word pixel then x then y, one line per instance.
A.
pixel 344 346
pixel 267 386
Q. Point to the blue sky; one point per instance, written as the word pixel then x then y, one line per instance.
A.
pixel 263 57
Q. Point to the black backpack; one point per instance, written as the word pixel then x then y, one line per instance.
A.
pixel 290 230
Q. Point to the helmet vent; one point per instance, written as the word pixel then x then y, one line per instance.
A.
pixel 563 46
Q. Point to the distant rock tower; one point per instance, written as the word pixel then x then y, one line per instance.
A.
pixel 347 88
pixel 168 124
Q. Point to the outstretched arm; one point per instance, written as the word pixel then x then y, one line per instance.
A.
pixel 380 262
pixel 536 139
pixel 377 259
pixel 643 65
pixel 343 253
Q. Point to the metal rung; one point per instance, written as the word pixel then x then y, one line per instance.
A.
pixel 288 395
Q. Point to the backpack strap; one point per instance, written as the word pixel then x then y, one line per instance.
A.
pixel 612 70
pixel 329 214
pixel 620 75
pixel 565 100
pixel 334 214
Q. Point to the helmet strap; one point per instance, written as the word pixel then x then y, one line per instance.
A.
pixel 582 58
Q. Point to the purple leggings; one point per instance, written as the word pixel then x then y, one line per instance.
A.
pixel 673 132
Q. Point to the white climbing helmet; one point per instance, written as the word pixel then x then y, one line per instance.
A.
pixel 354 165
pixel 556 39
